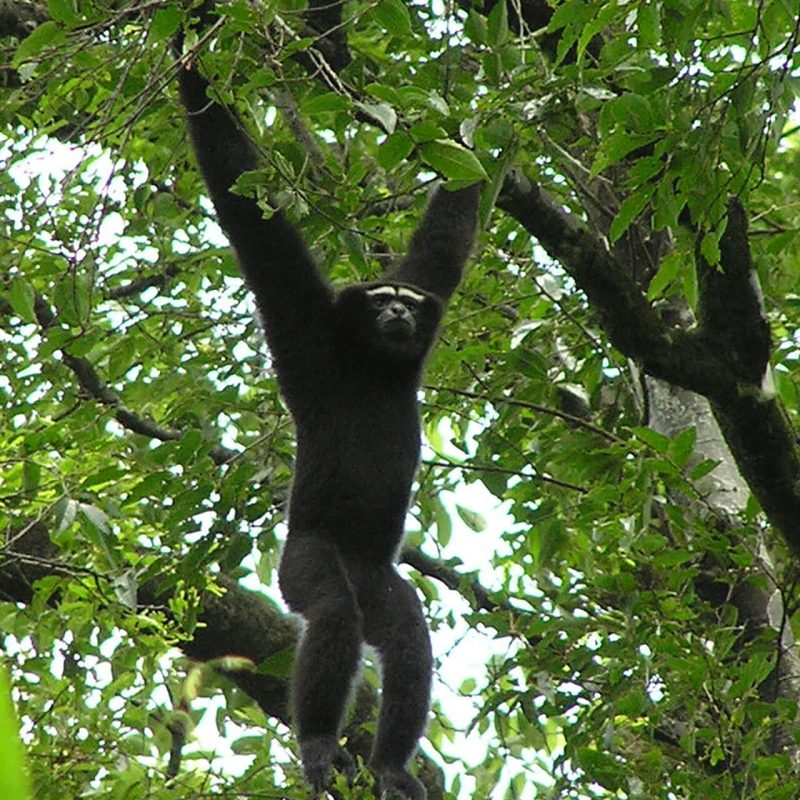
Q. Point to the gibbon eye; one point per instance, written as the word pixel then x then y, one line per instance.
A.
pixel 381 301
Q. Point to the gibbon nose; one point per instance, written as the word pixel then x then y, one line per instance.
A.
pixel 398 309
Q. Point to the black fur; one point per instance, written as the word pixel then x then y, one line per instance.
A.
pixel 350 379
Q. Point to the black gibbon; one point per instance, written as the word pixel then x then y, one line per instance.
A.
pixel 348 365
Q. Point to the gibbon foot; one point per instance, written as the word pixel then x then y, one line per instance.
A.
pixel 320 754
pixel 400 784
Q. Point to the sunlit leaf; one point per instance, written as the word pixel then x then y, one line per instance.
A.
pixel 453 160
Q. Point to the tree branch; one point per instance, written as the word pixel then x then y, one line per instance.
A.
pixel 755 426
pixel 731 309
pixel 91 383
pixel 631 323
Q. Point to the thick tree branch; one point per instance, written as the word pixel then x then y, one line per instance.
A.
pixel 724 360
pixel 631 323
pixel 764 444
pixel 731 309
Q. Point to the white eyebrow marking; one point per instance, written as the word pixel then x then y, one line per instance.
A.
pixel 402 291
pixel 390 291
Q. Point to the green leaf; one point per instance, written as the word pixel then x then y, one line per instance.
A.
pixel 497 25
pixel 444 525
pixel 616 146
pixel 667 206
pixel 96 516
pixel 279 665
pixel 21 297
pixel 64 514
pixel 102 476
pixel 325 104
pixel 426 131
pixel 13 776
pixel 570 12
pixel 689 285
pixel 393 17
pixel 705 467
pixel 651 542
pixel 472 519
pixel 72 296
pixel 709 247
pixel 382 113
pixel 48 34
pixel 417 97
pixel 593 26
pixel 476 28
pixel 31 476
pixel 166 22
pixel 667 272
pixel 657 441
pixel 630 209
pixel 63 11
pixel 767 767
pixel 296 45
pixel 394 149
pixel 633 111
pixel 248 745
pixel 99 532
pixel 648 22
pixel 386 93
pixel 682 446
pixel 453 160
pixel 633 703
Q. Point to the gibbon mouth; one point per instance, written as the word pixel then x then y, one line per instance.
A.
pixel 398 328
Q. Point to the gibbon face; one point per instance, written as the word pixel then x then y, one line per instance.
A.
pixel 396 320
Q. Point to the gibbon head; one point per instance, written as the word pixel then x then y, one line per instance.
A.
pixel 393 319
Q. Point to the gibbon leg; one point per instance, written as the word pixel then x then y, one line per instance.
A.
pixel 395 626
pixel 314 584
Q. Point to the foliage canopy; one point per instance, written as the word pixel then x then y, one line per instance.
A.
pixel 637 600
